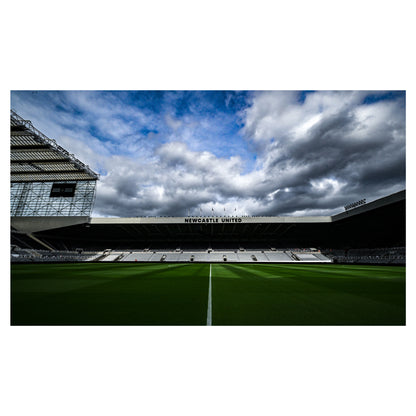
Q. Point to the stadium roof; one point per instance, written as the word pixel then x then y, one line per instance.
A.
pixel 36 158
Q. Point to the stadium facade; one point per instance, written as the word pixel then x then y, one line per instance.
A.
pixel 45 179
pixel 52 196
pixel 48 185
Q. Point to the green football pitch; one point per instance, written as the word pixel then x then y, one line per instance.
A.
pixel 201 294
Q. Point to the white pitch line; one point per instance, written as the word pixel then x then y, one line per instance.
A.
pixel 209 311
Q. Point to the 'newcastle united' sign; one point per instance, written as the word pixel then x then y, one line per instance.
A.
pixel 213 220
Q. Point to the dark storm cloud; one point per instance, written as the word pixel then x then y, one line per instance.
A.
pixel 331 149
pixel 356 152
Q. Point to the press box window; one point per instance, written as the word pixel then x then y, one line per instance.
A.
pixel 63 190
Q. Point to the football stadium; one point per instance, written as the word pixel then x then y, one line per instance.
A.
pixel 70 268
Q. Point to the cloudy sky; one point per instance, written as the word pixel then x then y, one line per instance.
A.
pixel 228 152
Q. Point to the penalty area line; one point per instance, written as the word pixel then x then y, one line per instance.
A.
pixel 209 310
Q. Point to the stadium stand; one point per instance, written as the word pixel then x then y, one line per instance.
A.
pixel 31 255
pixel 391 255
pixel 19 255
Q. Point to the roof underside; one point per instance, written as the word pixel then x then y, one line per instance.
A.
pixel 36 158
